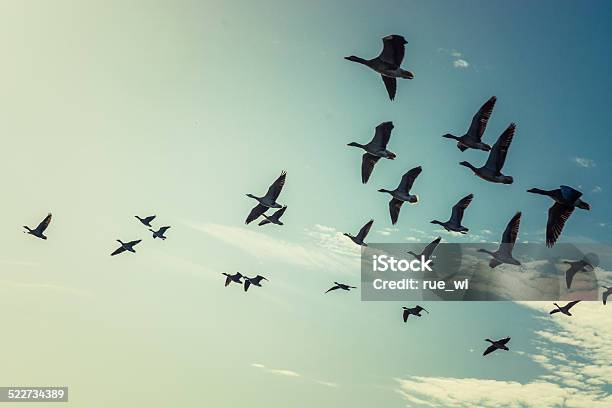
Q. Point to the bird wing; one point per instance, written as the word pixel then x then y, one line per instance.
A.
pixel 459 208
pixel 247 283
pixel 279 213
pixel 504 341
pixel 408 179
pixel 263 222
pixel 391 85
pixel 228 280
pixel 554 311
pixel 367 165
pixel 276 187
pixel 497 155
pixel 489 350
pixel 118 251
pixel 569 275
pixel 393 50
pixel 571 304
pixel 44 224
pixel 149 219
pixel 406 314
pixel 394 209
pixel 258 279
pixel 510 233
pixel 480 120
pixel 133 243
pixel 255 213
pixel 382 136
pixel 557 216
pixel 419 308
pixel 332 288
pixel 363 232
pixel 431 247
pixel 162 230
pixel 604 296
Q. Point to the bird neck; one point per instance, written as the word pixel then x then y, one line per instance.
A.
pixel 384 190
pixel 468 164
pixel 449 136
pixel 355 144
pixel 539 191
pixel 357 59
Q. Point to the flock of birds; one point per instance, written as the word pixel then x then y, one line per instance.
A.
pixel 388 65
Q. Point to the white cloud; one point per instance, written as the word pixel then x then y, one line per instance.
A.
pixel 584 162
pixel 461 63
pixel 276 371
pixel 597 189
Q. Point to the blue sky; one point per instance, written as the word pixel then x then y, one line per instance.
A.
pixel 179 109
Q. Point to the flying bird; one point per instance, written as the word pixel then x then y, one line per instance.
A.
pixel 428 250
pixel 473 138
pixel 146 220
pixel 375 149
pixel 503 255
pixel 491 171
pixel 268 200
pixel 340 286
pixel 236 278
pixel 454 222
pixel 566 200
pixel 564 309
pixel 256 281
pixel 160 233
pixel 387 64
pixel 40 229
pixel 274 218
pixel 126 246
pixel 497 345
pixel 583 265
pixel 416 311
pixel 402 193
pixel 606 293
pixel 362 234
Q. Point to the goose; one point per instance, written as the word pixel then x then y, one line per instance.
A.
pixel 566 200
pixel 564 309
pixel 340 286
pixel 491 171
pixel 146 220
pixel 402 193
pixel 416 311
pixel 253 281
pixel 503 255
pixel 606 293
pixel 40 229
pixel 428 250
pixel 268 200
pixel 361 235
pixel 454 222
pixel 497 345
pixel 582 265
pixel 387 64
pixel 236 278
pixel 374 150
pixel 126 246
pixel 473 138
pixel 274 218
pixel 160 233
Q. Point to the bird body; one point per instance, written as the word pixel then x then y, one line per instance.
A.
pixel 361 235
pixel 454 222
pixel 256 281
pixel 503 255
pixel 387 64
pixel 38 232
pixel 402 193
pixel 375 150
pixel 497 345
pixel 415 311
pixel 274 218
pixel 160 233
pixel 340 286
pixel 491 171
pixel 472 139
pixel 564 309
pixel 236 278
pixel 126 246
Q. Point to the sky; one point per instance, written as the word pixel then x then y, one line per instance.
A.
pixel 112 109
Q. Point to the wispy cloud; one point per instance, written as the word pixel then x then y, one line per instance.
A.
pixel 276 371
pixel 597 189
pixel 584 162
pixel 461 63
pixel 458 59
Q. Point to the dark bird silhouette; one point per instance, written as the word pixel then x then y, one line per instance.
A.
pixel 504 252
pixel 268 200
pixel 491 171
pixel 582 265
pixel 274 218
pixel 497 345
pixel 566 200
pixel 256 281
pixel 428 250
pixel 160 233
pixel 40 229
pixel 473 138
pixel 126 246
pixel 416 311
pixel 402 193
pixel 564 309
pixel 375 149
pixel 387 64
pixel 146 220
pixel 454 222
pixel 236 278
pixel 340 286
pixel 606 293
pixel 362 234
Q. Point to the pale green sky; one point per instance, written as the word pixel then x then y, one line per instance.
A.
pixel 112 109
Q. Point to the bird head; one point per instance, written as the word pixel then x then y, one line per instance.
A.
pixel 467 164
pixel 413 199
pixel 585 206
pixel 407 75
pixel 506 179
